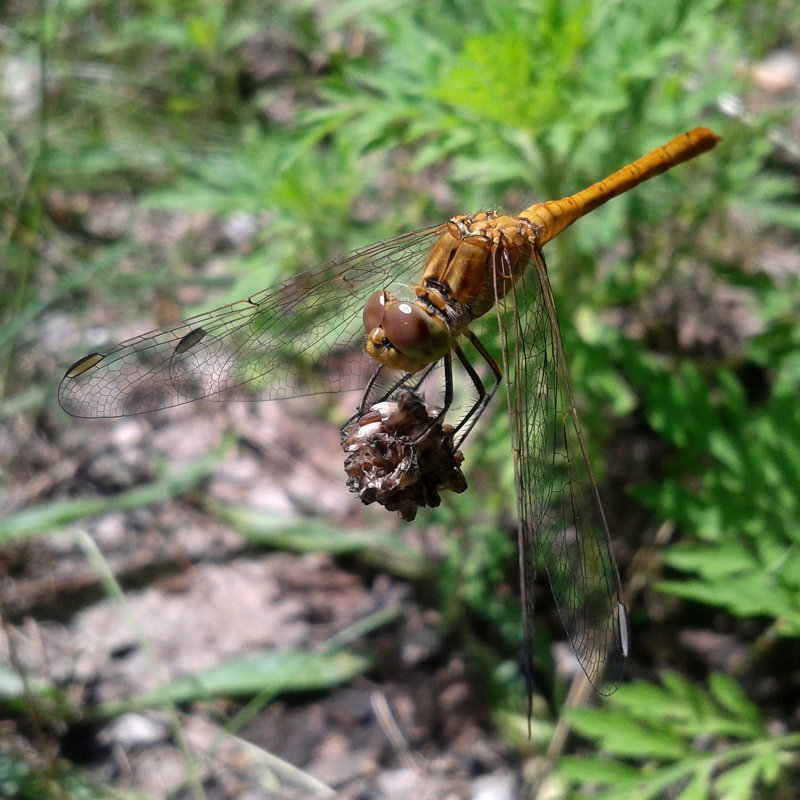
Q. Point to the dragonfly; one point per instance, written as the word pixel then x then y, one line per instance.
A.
pixel 404 305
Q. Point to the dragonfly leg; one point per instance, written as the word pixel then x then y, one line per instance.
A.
pixel 423 377
pixel 484 398
pixel 364 404
pixel 367 402
pixel 438 420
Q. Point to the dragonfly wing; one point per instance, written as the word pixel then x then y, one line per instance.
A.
pixel 303 336
pixel 561 526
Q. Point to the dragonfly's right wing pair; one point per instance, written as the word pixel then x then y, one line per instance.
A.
pixel 562 526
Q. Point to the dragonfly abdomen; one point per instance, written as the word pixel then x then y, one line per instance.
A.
pixel 551 218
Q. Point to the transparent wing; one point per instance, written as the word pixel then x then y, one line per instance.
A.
pixel 561 526
pixel 302 336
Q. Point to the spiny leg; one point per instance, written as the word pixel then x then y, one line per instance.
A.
pixel 362 406
pixel 438 420
pixel 484 398
pixel 366 402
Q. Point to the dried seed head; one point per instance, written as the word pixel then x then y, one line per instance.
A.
pixel 397 457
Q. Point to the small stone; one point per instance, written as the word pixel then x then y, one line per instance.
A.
pixel 778 72
pixel 136 730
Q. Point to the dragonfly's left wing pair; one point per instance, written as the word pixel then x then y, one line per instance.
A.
pixel 303 336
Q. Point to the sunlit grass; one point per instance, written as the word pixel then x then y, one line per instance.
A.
pixel 441 108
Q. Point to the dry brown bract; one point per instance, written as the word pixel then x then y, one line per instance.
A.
pixel 397 457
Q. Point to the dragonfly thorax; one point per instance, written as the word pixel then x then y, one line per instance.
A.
pixel 475 262
pixel 404 335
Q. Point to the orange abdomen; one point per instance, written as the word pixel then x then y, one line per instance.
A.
pixel 554 216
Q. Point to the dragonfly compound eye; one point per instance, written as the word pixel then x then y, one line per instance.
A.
pixel 373 310
pixel 415 332
pixel 403 336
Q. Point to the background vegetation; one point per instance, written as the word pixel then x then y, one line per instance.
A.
pixel 306 129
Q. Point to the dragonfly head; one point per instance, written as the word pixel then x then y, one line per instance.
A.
pixel 402 335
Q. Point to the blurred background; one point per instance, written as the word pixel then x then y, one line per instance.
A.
pixel 192 603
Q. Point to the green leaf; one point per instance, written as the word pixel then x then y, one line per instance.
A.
pixel 730 558
pixel 620 734
pixel 674 742
pixel 738 782
pixel 13 686
pixel 698 788
pixel 646 700
pixel 598 770
pixel 47 516
pixel 268 671
pixel 386 551
pixel 730 697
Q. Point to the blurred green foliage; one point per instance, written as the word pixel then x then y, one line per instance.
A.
pixel 374 118
pixel 679 737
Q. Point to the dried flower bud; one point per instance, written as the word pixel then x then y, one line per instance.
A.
pixel 398 457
